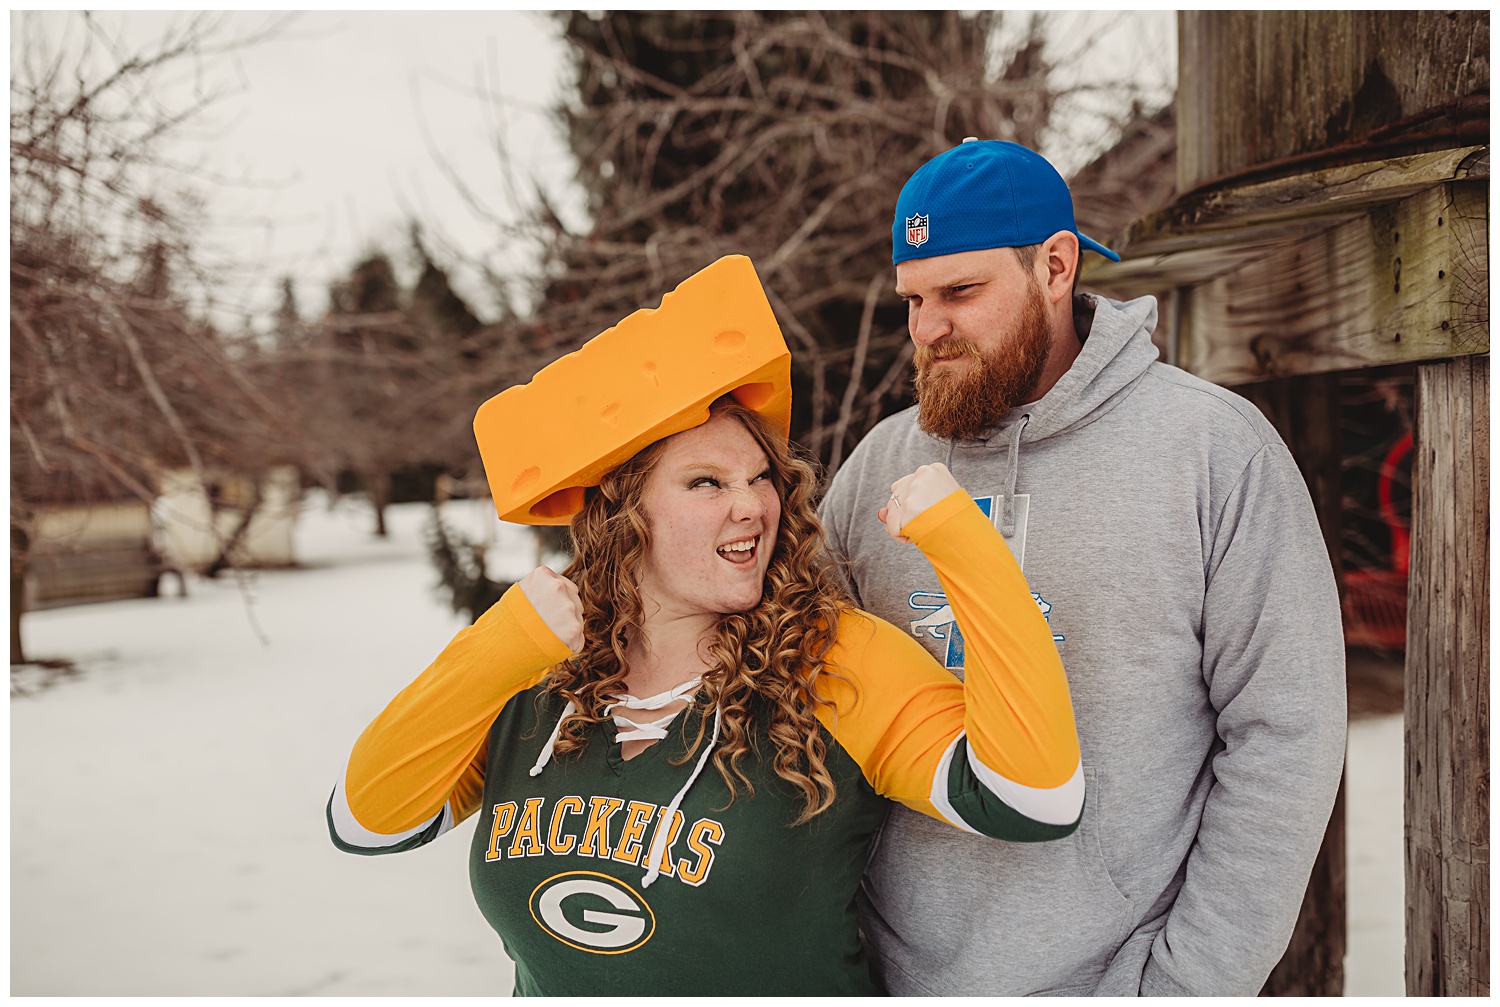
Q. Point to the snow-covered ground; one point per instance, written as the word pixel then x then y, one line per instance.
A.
pixel 167 831
pixel 1375 963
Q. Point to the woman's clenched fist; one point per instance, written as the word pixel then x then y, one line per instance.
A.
pixel 912 494
pixel 556 600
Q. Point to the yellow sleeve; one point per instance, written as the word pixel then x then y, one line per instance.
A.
pixel 425 753
pixel 996 753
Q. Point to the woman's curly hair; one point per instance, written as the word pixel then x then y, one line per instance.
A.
pixel 766 662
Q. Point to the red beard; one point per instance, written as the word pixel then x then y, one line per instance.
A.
pixel 968 399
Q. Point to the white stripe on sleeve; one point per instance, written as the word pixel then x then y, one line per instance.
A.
pixel 354 834
pixel 1059 805
pixel 940 789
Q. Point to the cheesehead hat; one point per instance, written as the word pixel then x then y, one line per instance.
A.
pixel 983 194
pixel 652 375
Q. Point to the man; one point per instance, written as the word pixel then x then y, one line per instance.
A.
pixel 1168 538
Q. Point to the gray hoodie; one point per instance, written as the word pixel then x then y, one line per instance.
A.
pixel 1168 537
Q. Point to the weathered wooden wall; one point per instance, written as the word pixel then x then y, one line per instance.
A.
pixel 1447 686
pixel 1403 281
pixel 1257 87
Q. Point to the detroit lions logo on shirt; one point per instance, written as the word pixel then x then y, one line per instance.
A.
pixel 938 623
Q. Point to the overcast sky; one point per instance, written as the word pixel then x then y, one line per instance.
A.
pixel 353 115
pixel 333 133
pixel 329 136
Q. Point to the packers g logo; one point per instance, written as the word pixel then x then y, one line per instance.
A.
pixel 583 896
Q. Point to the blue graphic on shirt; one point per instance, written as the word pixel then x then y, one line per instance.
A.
pixel 939 624
pixel 1046 608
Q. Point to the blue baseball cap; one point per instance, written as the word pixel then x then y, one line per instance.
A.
pixel 983 194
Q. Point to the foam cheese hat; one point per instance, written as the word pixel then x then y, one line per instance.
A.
pixel 652 375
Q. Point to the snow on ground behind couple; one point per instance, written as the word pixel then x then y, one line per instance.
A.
pixel 167 832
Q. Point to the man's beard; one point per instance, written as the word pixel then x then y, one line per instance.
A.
pixel 971 401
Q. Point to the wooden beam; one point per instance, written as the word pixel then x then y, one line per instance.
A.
pixel 1220 216
pixel 1437 244
pixel 1400 284
pixel 1227 228
pixel 1447 686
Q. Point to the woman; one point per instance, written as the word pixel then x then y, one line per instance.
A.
pixel 700 623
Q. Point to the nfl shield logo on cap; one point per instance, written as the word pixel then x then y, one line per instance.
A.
pixel 916 230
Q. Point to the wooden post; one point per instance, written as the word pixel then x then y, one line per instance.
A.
pixel 1447 686
pixel 1306 412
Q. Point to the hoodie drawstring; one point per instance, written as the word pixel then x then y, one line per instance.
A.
pixel 656 730
pixel 541 760
pixel 663 827
pixel 1007 499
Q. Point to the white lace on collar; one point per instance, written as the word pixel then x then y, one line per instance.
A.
pixel 629 730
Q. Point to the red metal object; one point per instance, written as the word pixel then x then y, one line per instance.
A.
pixel 1375 598
pixel 1400 530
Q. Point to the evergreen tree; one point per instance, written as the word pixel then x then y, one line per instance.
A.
pixel 387 380
pixel 436 307
pixel 462 580
pixel 288 317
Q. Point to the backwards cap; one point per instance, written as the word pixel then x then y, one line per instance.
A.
pixel 652 375
pixel 983 194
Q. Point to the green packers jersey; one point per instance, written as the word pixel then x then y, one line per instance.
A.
pixel 745 902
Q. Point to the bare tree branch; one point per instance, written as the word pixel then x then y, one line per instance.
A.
pixel 856 372
pixel 153 389
pixel 115 378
